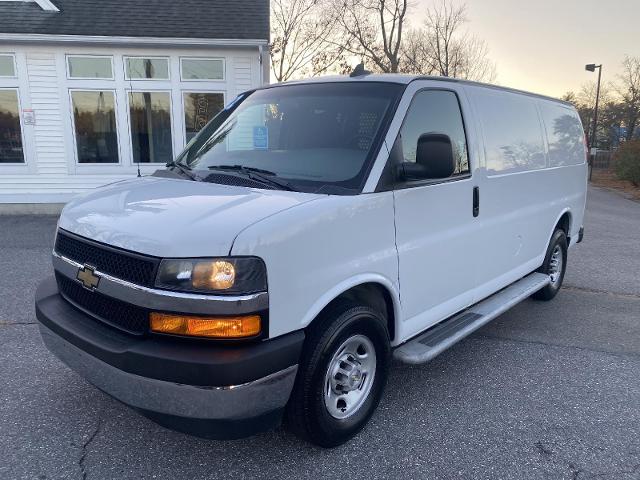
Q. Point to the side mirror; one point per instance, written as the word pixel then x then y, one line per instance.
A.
pixel 434 159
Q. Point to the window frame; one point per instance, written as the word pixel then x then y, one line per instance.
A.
pixel 125 59
pixel 15 66
pixel 169 92
pixel 22 133
pixel 68 67
pixel 401 185
pixel 92 165
pixel 183 111
pixel 224 70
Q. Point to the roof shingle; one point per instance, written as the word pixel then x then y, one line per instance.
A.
pixel 216 19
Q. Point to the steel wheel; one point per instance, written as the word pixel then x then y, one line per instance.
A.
pixel 556 265
pixel 349 376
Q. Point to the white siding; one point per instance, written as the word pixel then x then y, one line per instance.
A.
pixel 51 173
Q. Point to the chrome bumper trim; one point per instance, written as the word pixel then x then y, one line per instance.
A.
pixel 216 403
pixel 156 299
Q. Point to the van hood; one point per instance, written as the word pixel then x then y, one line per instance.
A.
pixel 173 217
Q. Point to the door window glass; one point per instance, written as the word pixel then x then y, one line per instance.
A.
pixel 199 108
pixel 435 111
pixel 147 68
pixel 150 115
pixel 10 132
pixel 94 119
pixel 7 66
pixel 89 67
pixel 202 68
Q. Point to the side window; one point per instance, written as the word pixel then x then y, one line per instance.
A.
pixel 564 133
pixel 435 111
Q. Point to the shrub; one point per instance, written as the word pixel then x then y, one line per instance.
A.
pixel 627 162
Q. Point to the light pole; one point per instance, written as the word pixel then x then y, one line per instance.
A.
pixel 592 138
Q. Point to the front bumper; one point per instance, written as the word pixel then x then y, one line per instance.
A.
pixel 218 391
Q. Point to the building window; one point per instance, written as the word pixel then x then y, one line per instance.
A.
pixel 202 69
pixel 10 132
pixel 138 68
pixel 7 66
pixel 151 139
pixel 89 66
pixel 94 117
pixel 199 108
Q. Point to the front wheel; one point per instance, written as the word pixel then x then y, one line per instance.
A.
pixel 555 265
pixel 341 376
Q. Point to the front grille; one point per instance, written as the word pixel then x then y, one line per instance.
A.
pixel 119 314
pixel 134 268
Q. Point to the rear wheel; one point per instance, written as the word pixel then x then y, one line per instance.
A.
pixel 341 375
pixel 555 265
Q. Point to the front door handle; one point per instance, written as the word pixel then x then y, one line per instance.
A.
pixel 476 201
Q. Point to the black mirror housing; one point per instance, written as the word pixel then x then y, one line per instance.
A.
pixel 435 154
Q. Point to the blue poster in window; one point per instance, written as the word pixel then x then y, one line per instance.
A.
pixel 260 138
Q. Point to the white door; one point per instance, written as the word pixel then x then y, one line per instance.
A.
pixel 435 221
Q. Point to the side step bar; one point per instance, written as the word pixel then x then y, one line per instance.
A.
pixel 438 338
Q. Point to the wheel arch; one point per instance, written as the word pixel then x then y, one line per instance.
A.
pixel 564 222
pixel 373 290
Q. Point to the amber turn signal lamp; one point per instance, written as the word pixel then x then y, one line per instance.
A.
pixel 209 327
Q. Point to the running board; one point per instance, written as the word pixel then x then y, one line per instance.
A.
pixel 443 335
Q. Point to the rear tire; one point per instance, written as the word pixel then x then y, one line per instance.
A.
pixel 341 375
pixel 555 265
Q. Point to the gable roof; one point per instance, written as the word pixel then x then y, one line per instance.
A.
pixel 210 19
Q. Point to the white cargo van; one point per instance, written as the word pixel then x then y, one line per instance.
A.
pixel 309 233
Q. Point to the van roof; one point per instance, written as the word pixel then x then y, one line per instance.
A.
pixel 405 79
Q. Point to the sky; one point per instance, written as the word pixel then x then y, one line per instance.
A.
pixel 543 45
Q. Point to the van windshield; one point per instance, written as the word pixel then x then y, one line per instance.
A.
pixel 312 137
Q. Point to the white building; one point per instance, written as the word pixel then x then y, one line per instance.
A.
pixel 89 88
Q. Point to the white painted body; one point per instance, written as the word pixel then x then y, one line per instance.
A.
pixel 421 244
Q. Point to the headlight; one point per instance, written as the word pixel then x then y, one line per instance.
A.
pixel 241 275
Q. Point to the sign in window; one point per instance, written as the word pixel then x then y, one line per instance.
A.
pixel 138 68
pixel 84 66
pixel 94 118
pixel 11 150
pixel 199 108
pixel 150 116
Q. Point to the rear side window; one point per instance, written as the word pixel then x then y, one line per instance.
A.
pixel 435 111
pixel 512 131
pixel 564 133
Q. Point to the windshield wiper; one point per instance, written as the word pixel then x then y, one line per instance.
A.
pixel 184 169
pixel 257 174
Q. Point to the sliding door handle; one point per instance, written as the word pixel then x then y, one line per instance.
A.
pixel 476 201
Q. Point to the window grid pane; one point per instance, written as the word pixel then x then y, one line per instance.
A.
pixel 95 126
pixel 7 66
pixel 202 69
pixel 150 118
pixel 147 68
pixel 11 149
pixel 90 67
pixel 199 108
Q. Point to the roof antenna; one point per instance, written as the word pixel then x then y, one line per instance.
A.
pixel 359 71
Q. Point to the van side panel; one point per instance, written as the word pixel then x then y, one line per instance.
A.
pixel 522 195
pixel 318 250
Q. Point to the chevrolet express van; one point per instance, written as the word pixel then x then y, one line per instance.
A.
pixel 308 234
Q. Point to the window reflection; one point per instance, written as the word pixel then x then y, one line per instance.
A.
pixel 150 114
pixel 147 68
pixel 7 67
pixel 199 108
pixel 95 126
pixel 10 133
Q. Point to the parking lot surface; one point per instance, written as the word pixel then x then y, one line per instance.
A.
pixel 548 390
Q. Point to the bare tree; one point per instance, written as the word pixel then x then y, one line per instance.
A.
pixel 628 88
pixel 442 47
pixel 373 30
pixel 300 39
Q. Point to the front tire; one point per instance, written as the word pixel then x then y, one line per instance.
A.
pixel 555 265
pixel 341 375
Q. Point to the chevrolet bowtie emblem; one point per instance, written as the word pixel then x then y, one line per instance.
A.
pixel 87 276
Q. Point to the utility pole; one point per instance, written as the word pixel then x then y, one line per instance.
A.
pixel 593 142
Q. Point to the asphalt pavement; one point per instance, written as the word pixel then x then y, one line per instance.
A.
pixel 548 390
